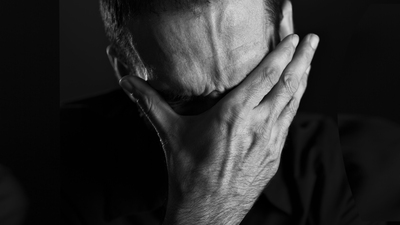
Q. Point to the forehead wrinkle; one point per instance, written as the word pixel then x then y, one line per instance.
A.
pixel 203 56
pixel 220 41
pixel 230 52
pixel 188 47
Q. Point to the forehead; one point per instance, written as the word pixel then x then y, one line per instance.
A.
pixel 201 50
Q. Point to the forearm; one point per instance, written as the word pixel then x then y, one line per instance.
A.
pixel 195 214
pixel 201 209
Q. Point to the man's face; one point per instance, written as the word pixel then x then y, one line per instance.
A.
pixel 202 55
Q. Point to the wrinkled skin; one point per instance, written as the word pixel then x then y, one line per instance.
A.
pixel 221 159
pixel 203 54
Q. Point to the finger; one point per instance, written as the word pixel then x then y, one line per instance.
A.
pixel 261 80
pixel 276 100
pixel 152 104
pixel 290 110
pixel 280 128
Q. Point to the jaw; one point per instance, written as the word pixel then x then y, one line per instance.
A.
pixel 209 51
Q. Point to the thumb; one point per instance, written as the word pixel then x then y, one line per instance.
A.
pixel 151 103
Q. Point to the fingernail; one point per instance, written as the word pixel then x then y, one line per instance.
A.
pixel 295 40
pixel 125 84
pixel 314 40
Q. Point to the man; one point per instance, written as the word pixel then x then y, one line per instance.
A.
pixel 224 81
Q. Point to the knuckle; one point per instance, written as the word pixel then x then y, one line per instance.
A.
pixel 290 83
pixel 270 76
pixel 288 51
pixel 270 71
pixel 254 86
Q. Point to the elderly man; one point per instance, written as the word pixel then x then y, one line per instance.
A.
pixel 217 85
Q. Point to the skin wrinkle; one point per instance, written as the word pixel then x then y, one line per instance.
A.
pixel 219 29
pixel 214 39
pixel 186 60
pixel 201 56
pixel 232 180
pixel 200 66
pixel 190 53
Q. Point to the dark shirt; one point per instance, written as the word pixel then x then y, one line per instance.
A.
pixel 13 202
pixel 114 172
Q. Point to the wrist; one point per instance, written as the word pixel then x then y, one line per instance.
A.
pixel 199 215
pixel 199 210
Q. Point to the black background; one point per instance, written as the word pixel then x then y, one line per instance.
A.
pixel 29 109
pixel 353 69
pixel 369 80
pixel 51 54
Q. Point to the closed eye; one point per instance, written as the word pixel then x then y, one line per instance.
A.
pixel 177 100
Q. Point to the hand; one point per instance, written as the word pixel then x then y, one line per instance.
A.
pixel 220 161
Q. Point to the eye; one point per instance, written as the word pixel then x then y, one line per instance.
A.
pixel 177 101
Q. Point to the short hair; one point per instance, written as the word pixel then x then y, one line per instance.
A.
pixel 116 14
